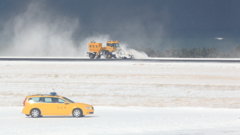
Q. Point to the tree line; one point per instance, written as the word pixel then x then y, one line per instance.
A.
pixel 191 53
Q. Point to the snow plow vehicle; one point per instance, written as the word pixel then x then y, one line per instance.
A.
pixel 112 50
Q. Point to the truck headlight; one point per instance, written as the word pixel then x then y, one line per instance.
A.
pixel 87 107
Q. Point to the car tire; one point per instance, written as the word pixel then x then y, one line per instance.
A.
pixel 35 113
pixel 77 112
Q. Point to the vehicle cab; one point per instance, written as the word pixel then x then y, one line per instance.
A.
pixel 113 46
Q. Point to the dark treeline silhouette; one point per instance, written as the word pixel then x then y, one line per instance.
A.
pixel 191 53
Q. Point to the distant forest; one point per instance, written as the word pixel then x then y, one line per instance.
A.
pixel 191 53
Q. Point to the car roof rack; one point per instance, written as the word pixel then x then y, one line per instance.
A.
pixel 40 95
pixel 43 95
pixel 51 94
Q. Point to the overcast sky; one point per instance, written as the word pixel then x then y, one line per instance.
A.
pixel 156 23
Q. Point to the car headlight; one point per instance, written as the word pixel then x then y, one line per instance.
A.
pixel 87 107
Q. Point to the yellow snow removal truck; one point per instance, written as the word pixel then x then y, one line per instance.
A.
pixel 112 50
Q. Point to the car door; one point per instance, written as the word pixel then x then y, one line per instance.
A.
pixel 47 106
pixel 61 107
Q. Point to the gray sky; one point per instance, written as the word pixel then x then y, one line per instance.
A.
pixel 154 23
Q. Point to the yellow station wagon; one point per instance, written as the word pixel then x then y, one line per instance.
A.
pixel 43 104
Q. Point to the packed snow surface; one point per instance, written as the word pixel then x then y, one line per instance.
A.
pixel 125 120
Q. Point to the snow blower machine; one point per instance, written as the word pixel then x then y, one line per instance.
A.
pixel 112 50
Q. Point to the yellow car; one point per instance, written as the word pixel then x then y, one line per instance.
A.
pixel 43 104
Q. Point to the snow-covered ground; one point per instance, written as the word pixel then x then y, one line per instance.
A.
pixel 142 84
pixel 125 120
pixel 129 97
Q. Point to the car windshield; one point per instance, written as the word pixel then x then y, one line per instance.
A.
pixel 113 44
pixel 69 100
pixel 116 45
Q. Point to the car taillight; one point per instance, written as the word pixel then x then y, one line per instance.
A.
pixel 24 101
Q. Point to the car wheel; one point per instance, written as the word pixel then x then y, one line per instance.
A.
pixel 35 113
pixel 77 113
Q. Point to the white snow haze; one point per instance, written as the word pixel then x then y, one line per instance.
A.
pixel 36 32
pixel 39 32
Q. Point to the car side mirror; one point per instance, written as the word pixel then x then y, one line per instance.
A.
pixel 66 103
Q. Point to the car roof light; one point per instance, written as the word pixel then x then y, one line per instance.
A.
pixel 53 93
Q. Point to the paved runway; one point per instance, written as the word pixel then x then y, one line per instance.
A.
pixel 158 60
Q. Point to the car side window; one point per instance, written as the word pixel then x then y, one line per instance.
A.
pixel 60 100
pixel 34 99
pixel 51 100
pixel 57 100
pixel 41 99
pixel 48 100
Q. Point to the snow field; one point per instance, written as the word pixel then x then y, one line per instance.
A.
pixel 143 84
pixel 129 97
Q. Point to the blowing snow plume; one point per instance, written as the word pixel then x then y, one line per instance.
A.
pixel 39 33
pixel 136 54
